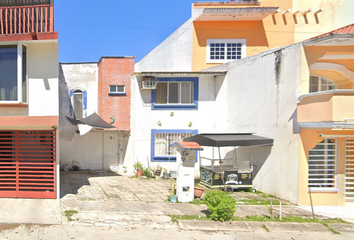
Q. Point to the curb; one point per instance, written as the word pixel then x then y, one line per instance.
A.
pixel 205 225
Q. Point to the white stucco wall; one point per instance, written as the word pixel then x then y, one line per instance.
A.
pixel 43 73
pixel 173 54
pixel 43 76
pixel 259 95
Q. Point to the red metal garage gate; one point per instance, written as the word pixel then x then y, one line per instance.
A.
pixel 28 164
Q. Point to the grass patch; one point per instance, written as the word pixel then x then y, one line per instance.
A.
pixel 104 192
pixel 265 228
pixel 69 214
pixel 197 202
pixel 175 218
pixel 256 218
pixel 331 229
pixel 259 202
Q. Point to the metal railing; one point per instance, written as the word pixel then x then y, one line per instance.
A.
pixel 26 19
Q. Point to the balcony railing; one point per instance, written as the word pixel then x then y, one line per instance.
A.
pixel 26 19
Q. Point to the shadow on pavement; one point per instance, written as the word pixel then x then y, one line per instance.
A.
pixel 72 181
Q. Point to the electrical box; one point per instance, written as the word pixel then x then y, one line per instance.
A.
pixel 186 159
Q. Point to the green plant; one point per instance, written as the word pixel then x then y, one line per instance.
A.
pixel 221 206
pixel 69 214
pixel 158 168
pixel 147 172
pixel 265 228
pixel 138 165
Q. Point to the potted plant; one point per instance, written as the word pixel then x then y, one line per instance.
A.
pixel 165 173
pixel 125 169
pixel 198 192
pixel 172 197
pixel 158 170
pixel 139 168
pixel 76 168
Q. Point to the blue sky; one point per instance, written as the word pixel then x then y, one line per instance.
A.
pixel 89 29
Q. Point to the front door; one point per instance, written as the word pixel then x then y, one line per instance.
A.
pixel 110 154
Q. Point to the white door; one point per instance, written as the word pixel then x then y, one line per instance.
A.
pixel 110 150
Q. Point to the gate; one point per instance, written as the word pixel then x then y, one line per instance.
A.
pixel 349 171
pixel 28 164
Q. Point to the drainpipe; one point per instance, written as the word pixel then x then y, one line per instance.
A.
pixel 103 133
pixel 118 153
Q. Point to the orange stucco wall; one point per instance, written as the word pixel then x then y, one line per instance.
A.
pixel 19 122
pixel 326 107
pixel 273 31
pixel 308 140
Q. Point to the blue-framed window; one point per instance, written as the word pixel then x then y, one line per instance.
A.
pixel 175 93
pixel 161 141
pixel 78 109
pixel 117 90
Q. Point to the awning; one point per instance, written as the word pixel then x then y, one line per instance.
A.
pixel 93 120
pixel 187 145
pixel 236 14
pixel 229 139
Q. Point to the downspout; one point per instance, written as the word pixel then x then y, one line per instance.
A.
pixel 103 133
pixel 118 153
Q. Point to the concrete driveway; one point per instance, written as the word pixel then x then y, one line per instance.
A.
pixel 102 185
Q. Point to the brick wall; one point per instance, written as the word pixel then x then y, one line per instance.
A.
pixel 115 71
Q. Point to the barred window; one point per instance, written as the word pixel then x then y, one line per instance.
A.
pixel 322 165
pixel 164 140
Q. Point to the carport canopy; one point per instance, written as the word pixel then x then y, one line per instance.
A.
pixel 229 139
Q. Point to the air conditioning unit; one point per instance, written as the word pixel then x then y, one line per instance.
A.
pixel 149 83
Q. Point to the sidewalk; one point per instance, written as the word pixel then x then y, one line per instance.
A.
pixel 34 211
pixel 98 198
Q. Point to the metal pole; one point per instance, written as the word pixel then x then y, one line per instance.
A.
pixel 313 212
pixel 222 172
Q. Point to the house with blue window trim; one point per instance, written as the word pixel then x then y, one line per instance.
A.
pixel 176 106
pixel 257 73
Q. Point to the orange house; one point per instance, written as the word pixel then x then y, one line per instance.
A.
pixel 224 31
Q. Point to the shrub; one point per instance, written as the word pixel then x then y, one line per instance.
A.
pixel 220 204
pixel 147 172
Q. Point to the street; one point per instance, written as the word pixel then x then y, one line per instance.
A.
pixel 50 232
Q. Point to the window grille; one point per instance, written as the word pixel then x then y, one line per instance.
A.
pixel 322 165
pixel 164 140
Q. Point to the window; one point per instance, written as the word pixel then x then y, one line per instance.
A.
pixel 322 165
pixel 78 98
pixel 161 141
pixel 13 73
pixel 117 90
pixel 224 50
pixel 174 93
pixel 319 83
